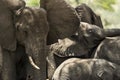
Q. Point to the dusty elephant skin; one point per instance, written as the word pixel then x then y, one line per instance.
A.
pixel 32 29
pixel 109 50
pixel 62 19
pixel 87 69
pixel 89 37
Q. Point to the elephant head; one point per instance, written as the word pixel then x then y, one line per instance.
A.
pixel 91 34
pixel 62 18
pixel 32 29
pixel 88 15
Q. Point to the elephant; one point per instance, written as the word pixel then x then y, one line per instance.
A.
pixel 31 32
pixel 82 45
pixel 109 49
pixel 87 69
pixel 88 15
pixel 37 27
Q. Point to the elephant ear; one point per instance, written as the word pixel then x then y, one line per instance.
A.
pixel 62 18
pixel 87 15
pixel 7 30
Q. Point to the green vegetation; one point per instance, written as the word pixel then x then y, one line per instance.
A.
pixel 32 2
pixel 109 10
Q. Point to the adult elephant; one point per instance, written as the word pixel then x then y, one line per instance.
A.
pixel 7 36
pixel 87 69
pixel 35 28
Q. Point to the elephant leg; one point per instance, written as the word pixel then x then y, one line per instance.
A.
pixel 9 70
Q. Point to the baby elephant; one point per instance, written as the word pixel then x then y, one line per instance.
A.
pixel 87 69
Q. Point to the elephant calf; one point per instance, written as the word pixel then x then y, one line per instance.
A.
pixel 109 49
pixel 87 69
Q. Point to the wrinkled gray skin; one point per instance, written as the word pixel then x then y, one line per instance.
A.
pixel 109 49
pixel 7 37
pixel 87 69
pixel 89 37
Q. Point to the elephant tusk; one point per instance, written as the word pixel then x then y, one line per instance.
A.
pixel 32 62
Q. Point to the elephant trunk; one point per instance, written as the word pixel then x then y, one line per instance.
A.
pixel 112 32
pixel 35 48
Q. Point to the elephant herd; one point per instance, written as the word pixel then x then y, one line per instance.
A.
pixel 57 42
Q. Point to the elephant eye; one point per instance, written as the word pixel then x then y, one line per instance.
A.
pixel 90 30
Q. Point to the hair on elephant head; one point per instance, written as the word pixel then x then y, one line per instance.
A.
pixel 62 18
pixel 7 29
pixel 86 69
pixel 88 15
